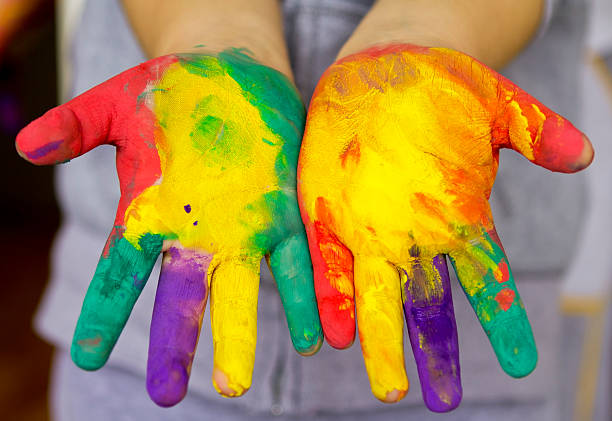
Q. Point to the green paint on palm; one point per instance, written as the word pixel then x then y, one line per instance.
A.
pixel 283 211
pixel 120 277
pixel 508 330
pixel 218 139
pixel 279 105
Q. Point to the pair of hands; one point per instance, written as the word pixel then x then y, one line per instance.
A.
pixel 398 158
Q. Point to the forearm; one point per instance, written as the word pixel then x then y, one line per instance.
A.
pixel 491 31
pixel 182 26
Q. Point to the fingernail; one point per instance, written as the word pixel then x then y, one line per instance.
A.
pixel 221 384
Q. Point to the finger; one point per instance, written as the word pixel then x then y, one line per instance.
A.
pixel 177 317
pixel 428 307
pixel 332 265
pixel 381 327
pixel 233 312
pixel 541 135
pixel 93 118
pixel 486 278
pixel 121 274
pixel 292 270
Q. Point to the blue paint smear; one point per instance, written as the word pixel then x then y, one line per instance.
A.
pixel 44 150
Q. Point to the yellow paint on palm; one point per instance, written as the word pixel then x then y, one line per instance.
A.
pixel 439 199
pixel 206 123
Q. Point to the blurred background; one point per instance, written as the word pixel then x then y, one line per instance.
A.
pixel 31 45
pixel 28 86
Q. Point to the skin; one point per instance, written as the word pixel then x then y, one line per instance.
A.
pixel 207 148
pixel 386 199
pixel 461 25
pixel 218 24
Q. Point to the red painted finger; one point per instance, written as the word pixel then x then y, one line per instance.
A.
pixel 333 277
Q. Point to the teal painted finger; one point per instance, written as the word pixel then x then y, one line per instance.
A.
pixel 292 270
pixel 120 276
pixel 486 278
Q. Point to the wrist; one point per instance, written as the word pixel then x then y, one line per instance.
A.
pixel 461 26
pixel 265 48
pixel 211 26
pixel 398 23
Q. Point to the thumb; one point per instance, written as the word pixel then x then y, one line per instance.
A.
pixel 538 133
pixel 89 120
pixel 67 131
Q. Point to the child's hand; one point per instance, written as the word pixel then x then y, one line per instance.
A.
pixel 397 164
pixel 207 148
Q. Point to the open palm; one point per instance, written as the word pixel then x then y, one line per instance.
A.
pixel 397 164
pixel 207 149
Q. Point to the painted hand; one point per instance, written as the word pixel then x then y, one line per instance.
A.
pixel 397 164
pixel 207 150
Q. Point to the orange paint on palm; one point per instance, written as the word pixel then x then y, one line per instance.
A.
pixel 441 196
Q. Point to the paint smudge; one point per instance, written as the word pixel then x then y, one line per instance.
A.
pixel 44 150
pixel 505 298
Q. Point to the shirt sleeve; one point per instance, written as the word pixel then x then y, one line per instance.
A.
pixel 549 8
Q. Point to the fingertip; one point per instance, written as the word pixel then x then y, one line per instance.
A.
pixel 224 386
pixel 516 349
pixel 393 396
pixel 522 364
pixel 587 154
pixel 312 349
pixel 167 386
pixel 442 403
pixel 338 321
pixel 339 340
pixel 563 148
pixel 50 139
pixel 89 353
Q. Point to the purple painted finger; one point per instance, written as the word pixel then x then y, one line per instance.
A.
pixel 428 308
pixel 177 316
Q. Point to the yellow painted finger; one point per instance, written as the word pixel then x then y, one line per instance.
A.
pixel 380 321
pixel 233 313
